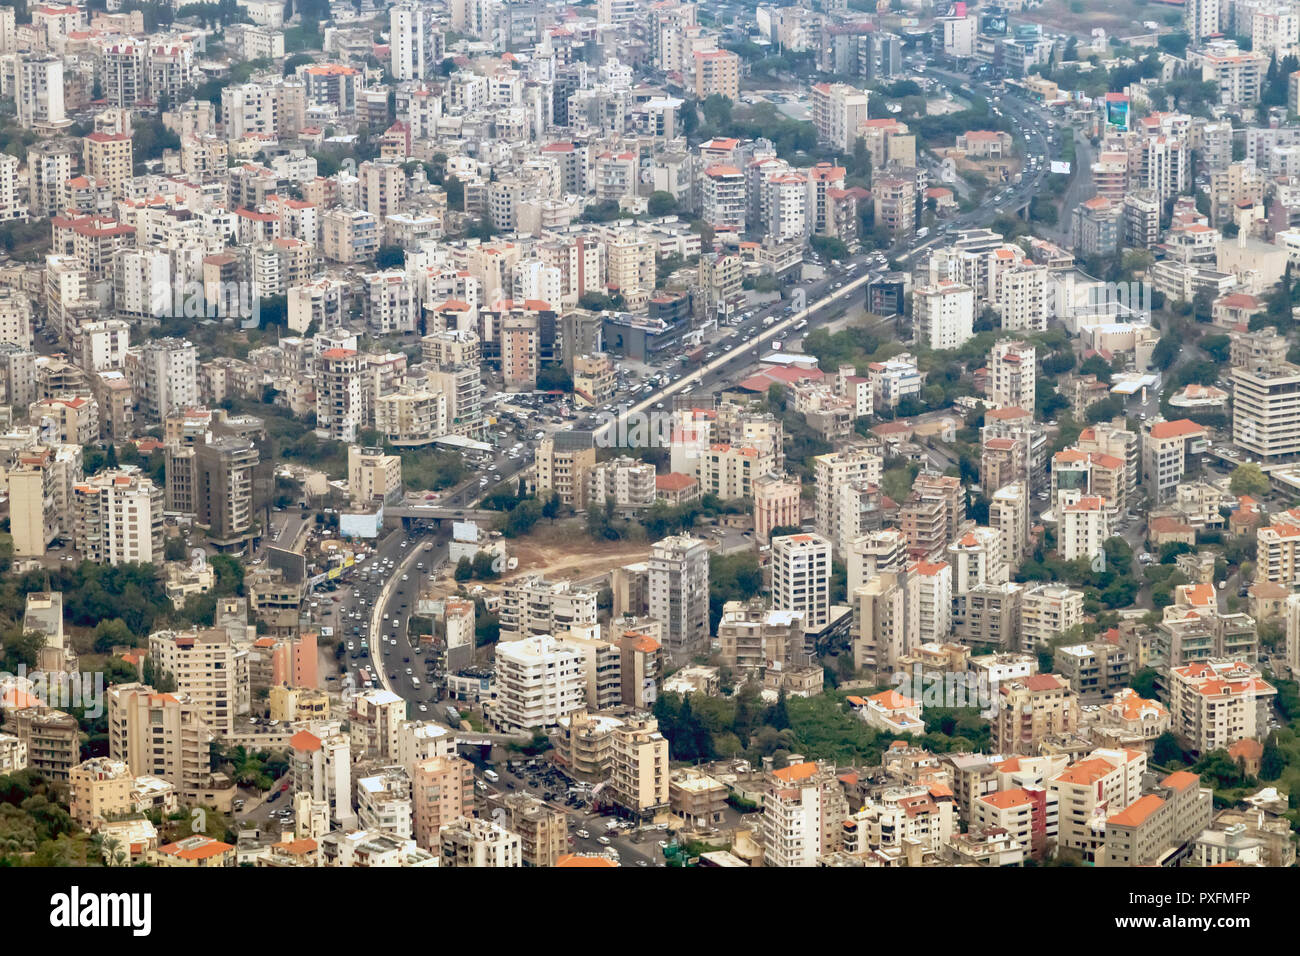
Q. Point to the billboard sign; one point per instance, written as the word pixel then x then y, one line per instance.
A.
pixel 1117 112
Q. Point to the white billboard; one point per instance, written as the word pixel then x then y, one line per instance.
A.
pixel 1060 167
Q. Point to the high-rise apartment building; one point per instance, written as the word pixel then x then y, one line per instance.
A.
pixel 679 592
pixel 801 578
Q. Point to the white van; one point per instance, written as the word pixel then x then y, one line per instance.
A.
pixel 491 775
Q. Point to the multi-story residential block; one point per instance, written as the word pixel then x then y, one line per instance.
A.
pixel 838 112
pixel 803 813
pixel 480 843
pixel 1048 611
pixel 679 592
pixel 717 72
pixel 339 407
pixel 776 504
pixel 801 573
pixel 944 314
pixel 1165 447
pixel 1030 710
pixel 563 461
pixel 1157 828
pixel 442 793
pixel 118 519
pixel 1217 702
pixel 164 376
pixel 832 471
pixel 205 665
pixel 539 681
pixel 639 767
pixel 1085 526
pixel 1266 409
pixel 1013 375
pixel 531 606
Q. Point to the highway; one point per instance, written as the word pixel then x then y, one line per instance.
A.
pixel 381 610
pixel 838 288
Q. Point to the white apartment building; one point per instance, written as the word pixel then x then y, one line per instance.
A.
pixel 411 417
pixel 118 519
pixel 1084 526
pixel 792 817
pixel 943 315
pixel 1019 293
pixel 1047 611
pixel 384 802
pixel 164 376
pixel 339 403
pixel 724 197
pixel 39 92
pixel 1013 375
pixel 538 682
pixel 934 588
pixel 977 559
pixel 101 346
pixel 391 303
pixel 531 606
pixel 801 578
pixel 838 112
pixel 1215 703
pixel 475 842
pixel 417 46
pixel 832 471
pixel 1266 410
pixel 786 206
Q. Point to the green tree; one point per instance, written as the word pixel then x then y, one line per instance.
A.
pixel 1144 682
pixel 661 203
pixel 390 257
pixel 1166 750
pixel 1249 479
pixel 484 566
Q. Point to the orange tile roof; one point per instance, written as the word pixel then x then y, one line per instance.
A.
pixel 1006 799
pixel 1181 780
pixel 582 859
pixel 304 740
pixel 1183 428
pixel 1137 812
pixel 798 771
pixel 892 700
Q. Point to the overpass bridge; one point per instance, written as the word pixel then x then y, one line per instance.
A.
pixel 437 513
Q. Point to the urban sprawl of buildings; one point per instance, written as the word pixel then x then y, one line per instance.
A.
pixel 496 434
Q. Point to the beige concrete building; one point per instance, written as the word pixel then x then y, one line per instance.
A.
pixel 205 668
pixel 442 792
pixel 1217 702
pixel 373 476
pixel 717 72
pixel 639 767
pixel 1031 709
pixel 1156 828
pixel 776 504
pixel 562 463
